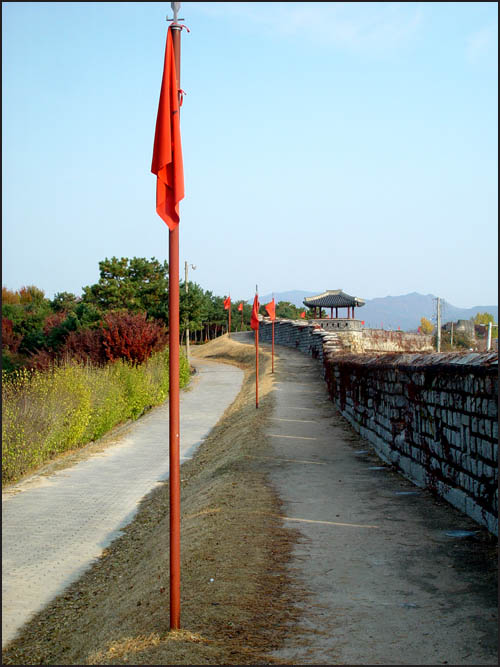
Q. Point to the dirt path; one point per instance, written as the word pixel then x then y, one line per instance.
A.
pixel 386 584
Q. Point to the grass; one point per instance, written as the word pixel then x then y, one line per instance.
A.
pixel 236 592
pixel 46 414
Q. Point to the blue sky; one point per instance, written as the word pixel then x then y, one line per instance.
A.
pixel 325 145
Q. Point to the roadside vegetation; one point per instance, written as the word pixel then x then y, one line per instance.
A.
pixel 46 413
pixel 73 367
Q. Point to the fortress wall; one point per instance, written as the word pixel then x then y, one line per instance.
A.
pixel 433 417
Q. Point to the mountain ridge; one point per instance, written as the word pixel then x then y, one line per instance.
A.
pixel 391 312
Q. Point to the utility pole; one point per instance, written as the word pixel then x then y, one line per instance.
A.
pixel 187 317
pixel 451 340
pixel 438 324
pixel 488 344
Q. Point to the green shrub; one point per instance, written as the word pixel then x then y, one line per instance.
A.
pixel 46 413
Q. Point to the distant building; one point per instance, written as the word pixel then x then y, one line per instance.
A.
pixel 335 299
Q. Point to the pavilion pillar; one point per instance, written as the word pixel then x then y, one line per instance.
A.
pixel 331 313
pixel 336 313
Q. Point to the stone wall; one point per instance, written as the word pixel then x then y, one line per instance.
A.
pixel 433 417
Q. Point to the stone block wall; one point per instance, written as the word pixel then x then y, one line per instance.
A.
pixel 433 417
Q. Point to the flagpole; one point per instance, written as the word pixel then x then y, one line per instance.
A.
pixel 229 332
pixel 272 344
pixel 256 359
pixel 174 413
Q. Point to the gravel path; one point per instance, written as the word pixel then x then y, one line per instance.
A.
pixel 54 526
pixel 386 584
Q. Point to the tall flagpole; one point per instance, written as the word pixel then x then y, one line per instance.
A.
pixel 272 345
pixel 174 417
pixel 257 358
pixel 229 330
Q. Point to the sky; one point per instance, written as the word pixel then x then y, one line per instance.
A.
pixel 326 145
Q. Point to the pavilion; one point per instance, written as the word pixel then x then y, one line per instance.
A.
pixel 334 299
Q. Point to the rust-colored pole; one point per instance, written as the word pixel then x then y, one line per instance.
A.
pixel 174 416
pixel 272 351
pixel 242 319
pixel 256 368
pixel 229 330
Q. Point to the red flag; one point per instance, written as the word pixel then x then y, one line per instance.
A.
pixel 362 321
pixel 240 307
pixel 167 151
pixel 254 320
pixel 227 303
pixel 303 313
pixel 271 309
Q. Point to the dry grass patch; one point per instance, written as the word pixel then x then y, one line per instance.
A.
pixel 236 593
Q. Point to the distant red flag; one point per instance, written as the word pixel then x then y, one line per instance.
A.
pixel 240 307
pixel 303 313
pixel 271 309
pixel 167 151
pixel 362 321
pixel 227 303
pixel 254 320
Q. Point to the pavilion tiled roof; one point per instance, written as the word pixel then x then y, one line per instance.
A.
pixel 333 298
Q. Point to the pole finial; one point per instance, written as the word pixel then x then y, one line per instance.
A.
pixel 175 8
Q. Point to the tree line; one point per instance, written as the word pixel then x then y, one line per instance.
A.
pixel 123 315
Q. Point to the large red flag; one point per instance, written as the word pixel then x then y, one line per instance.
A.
pixel 303 313
pixel 227 303
pixel 271 309
pixel 254 320
pixel 240 307
pixel 167 151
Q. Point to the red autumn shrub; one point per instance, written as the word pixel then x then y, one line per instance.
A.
pixel 132 337
pixel 53 320
pixel 10 340
pixel 84 345
pixel 42 360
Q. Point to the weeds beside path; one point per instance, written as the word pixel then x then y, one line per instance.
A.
pixel 235 590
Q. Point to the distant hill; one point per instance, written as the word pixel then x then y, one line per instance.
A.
pixel 392 312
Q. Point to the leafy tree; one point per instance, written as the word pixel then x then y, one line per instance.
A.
pixel 287 310
pixel 135 285
pixel 194 307
pixel 9 296
pixel 31 294
pixel 64 301
pixel 485 318
pixel 426 326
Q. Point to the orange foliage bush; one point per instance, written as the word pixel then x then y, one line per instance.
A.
pixel 132 337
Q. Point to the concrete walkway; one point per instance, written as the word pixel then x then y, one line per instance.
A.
pixel 386 584
pixel 54 527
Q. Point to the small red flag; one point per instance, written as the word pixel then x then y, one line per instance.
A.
pixel 240 307
pixel 271 309
pixel 227 303
pixel 303 313
pixel 362 321
pixel 254 319
pixel 167 151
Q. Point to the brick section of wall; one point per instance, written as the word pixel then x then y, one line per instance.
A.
pixel 434 417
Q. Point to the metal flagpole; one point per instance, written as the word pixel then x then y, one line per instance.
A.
pixel 229 330
pixel 257 358
pixel 272 346
pixel 174 416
